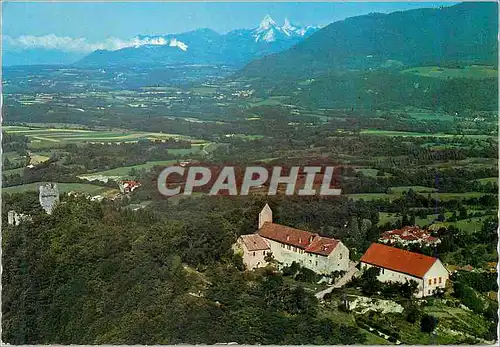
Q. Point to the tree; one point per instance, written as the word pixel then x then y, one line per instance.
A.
pixel 462 213
pixel 269 258
pixel 412 219
pixel 133 172
pixel 369 281
pixel 453 217
pixel 307 275
pixel 413 313
pixel 428 323
pixel 291 270
pixel 409 288
pixel 405 221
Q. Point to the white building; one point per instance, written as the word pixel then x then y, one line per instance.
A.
pixel 398 265
pixel 253 249
pixel 287 245
pixel 128 186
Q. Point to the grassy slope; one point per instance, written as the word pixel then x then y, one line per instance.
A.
pixel 120 171
pixel 63 187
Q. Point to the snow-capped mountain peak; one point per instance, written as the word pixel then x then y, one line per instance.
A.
pixel 176 43
pixel 267 23
pixel 288 28
pixel 156 41
pixel 307 30
pixel 269 31
pixel 204 46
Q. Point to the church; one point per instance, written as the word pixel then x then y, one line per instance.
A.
pixel 321 254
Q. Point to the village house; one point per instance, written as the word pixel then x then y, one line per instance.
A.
pixel 409 235
pixel 253 249
pixel 398 265
pixel 128 186
pixel 287 245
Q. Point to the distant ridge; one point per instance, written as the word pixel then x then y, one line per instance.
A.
pixel 204 46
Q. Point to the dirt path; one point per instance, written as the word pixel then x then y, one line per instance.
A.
pixel 351 271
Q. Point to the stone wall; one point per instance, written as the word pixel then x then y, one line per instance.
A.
pixel 48 196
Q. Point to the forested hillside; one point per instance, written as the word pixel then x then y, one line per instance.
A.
pixel 383 90
pixel 92 274
pixel 465 32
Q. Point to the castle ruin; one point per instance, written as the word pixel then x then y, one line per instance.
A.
pixel 49 196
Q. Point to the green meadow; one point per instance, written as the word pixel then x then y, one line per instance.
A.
pixel 473 72
pixel 63 188
pixel 124 170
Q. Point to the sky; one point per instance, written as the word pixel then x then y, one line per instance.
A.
pixel 92 25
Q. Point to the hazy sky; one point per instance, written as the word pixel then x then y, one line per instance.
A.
pixel 98 21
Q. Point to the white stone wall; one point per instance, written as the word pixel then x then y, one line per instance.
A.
pixel 287 254
pixel 435 272
pixel 251 259
pixel 339 259
pixel 14 218
pixel 387 275
pixel 48 197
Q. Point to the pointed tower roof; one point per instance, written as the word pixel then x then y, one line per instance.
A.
pixel 266 207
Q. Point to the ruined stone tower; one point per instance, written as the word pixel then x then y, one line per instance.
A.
pixel 49 196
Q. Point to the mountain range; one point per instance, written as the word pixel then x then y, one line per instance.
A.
pixel 205 46
pixel 466 32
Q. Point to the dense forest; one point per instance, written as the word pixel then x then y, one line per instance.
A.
pixel 92 274
pixel 96 273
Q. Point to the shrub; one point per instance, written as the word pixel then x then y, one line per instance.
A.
pixel 291 270
pixel 343 307
pixel 428 323
pixel 413 314
pixel 307 275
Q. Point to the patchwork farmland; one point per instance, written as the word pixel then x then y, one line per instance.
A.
pixel 43 137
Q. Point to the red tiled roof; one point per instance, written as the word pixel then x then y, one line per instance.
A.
pixel 254 242
pixel 322 245
pixel 408 233
pixel 131 183
pixel 309 242
pixel 399 260
pixel 410 237
pixel 287 235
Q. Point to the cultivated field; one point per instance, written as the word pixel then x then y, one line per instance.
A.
pixel 43 137
pixel 124 171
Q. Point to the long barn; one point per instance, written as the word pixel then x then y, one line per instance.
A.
pixel 398 265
